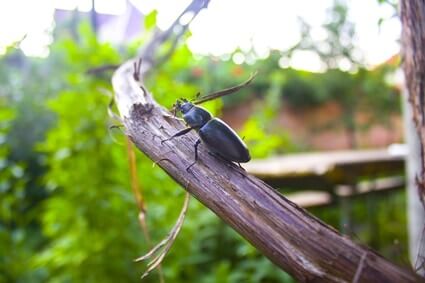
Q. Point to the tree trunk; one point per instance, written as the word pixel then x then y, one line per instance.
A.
pixel 289 236
pixel 413 53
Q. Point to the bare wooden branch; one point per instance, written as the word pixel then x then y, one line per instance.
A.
pixel 149 51
pixel 293 239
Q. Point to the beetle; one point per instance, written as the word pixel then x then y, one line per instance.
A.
pixel 218 137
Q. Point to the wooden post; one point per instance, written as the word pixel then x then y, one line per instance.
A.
pixel 415 210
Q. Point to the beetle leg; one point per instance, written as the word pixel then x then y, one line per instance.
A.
pixel 182 132
pixel 240 166
pixel 196 154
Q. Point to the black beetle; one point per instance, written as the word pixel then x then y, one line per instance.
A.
pixel 219 138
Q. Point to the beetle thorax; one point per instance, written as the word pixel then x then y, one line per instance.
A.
pixel 196 117
pixel 185 107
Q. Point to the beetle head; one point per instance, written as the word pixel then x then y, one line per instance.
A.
pixel 183 105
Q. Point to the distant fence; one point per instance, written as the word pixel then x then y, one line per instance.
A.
pixel 320 179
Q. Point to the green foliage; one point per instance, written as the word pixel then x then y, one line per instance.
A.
pixel 337 48
pixel 12 192
pixel 150 20
pixel 24 123
pixel 373 224
pixel 300 89
pixel 366 89
pixel 67 213
pixel 85 227
pixel 81 207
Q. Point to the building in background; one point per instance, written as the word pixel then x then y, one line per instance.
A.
pixel 117 23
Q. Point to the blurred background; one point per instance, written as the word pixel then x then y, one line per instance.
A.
pixel 327 101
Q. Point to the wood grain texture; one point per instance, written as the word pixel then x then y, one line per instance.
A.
pixel 289 236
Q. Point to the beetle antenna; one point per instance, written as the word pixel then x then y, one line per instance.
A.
pixel 226 91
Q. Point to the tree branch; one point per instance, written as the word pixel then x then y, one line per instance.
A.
pixel 290 237
pixel 148 52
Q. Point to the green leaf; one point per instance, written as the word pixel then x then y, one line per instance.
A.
pixel 150 20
